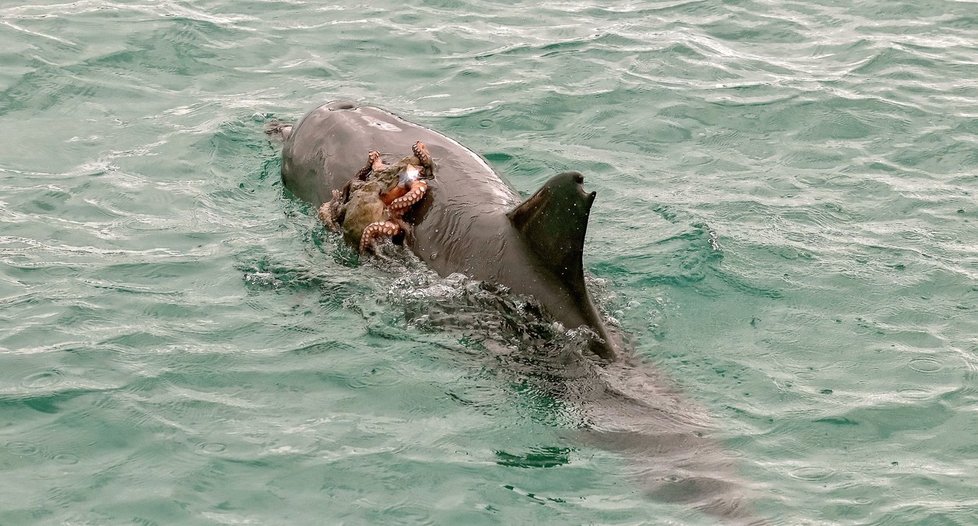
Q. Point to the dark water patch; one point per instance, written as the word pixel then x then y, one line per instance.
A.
pixel 686 51
pixel 176 49
pixel 660 132
pixel 50 403
pixel 578 46
pixel 889 419
pixel 912 11
pixel 949 156
pixel 266 273
pixel 595 44
pixel 836 421
pixel 750 284
pixel 755 31
pixel 893 59
pixel 45 87
pixel 47 202
pixel 234 137
pixel 129 289
pixel 179 49
pixel 837 125
pixel 682 259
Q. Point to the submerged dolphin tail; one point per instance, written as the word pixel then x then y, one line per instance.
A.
pixel 553 222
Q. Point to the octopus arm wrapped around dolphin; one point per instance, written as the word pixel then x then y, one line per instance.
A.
pixel 371 206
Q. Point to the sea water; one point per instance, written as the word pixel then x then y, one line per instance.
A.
pixel 786 227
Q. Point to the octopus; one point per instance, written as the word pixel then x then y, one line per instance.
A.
pixel 371 206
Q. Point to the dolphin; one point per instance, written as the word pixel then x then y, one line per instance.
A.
pixel 470 221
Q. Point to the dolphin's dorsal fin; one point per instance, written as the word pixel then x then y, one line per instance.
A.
pixel 553 222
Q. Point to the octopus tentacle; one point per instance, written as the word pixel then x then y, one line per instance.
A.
pixel 365 171
pixel 325 214
pixel 421 152
pixel 374 231
pixel 393 195
pixel 414 194
pixel 374 164
pixel 329 213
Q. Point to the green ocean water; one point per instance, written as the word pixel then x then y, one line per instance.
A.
pixel 786 226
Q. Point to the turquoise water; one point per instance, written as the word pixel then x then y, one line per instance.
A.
pixel 785 225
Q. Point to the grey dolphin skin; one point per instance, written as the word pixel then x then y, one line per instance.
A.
pixel 470 221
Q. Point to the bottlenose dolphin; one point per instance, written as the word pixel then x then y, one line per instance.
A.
pixel 470 221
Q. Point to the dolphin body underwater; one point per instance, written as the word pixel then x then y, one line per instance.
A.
pixel 472 222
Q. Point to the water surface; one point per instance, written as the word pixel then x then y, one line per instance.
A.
pixel 785 225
